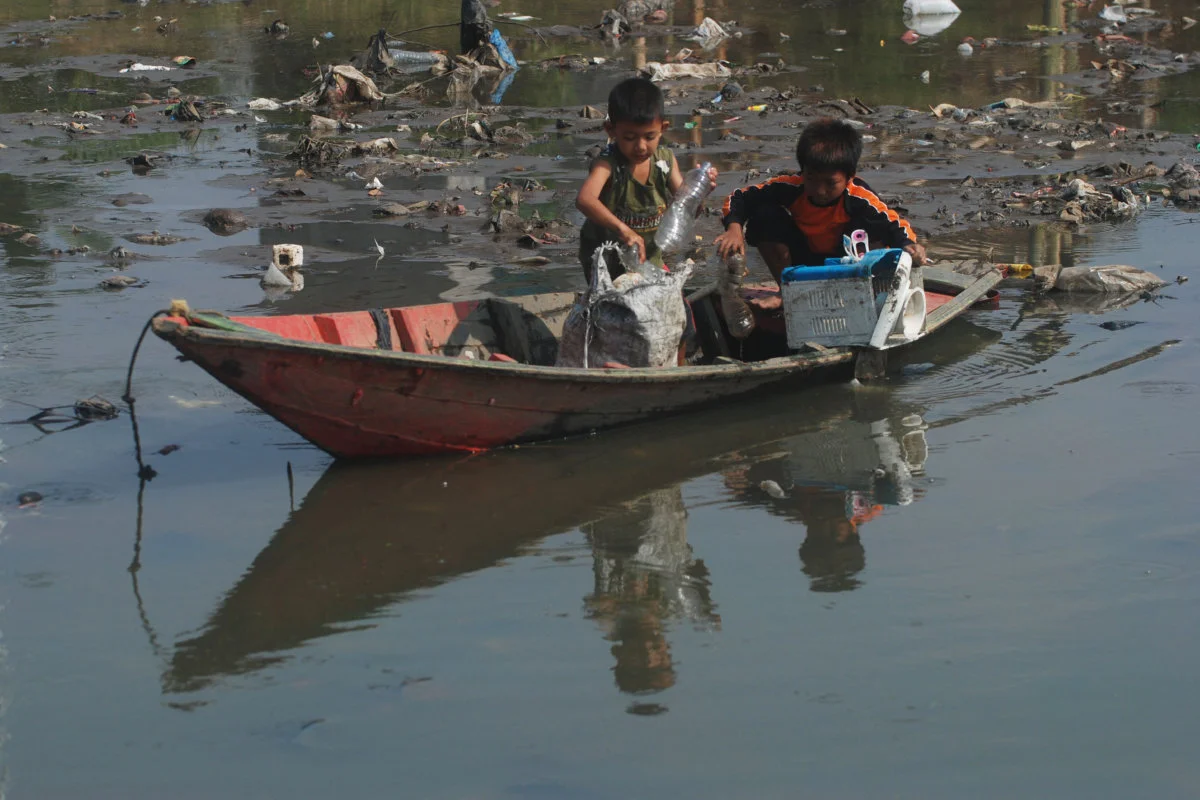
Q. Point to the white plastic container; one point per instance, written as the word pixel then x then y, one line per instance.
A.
pixel 820 306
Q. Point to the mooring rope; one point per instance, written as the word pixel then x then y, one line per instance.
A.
pixel 128 396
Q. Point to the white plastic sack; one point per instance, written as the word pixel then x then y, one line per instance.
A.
pixel 637 324
pixel 916 8
pixel 657 71
pixel 1110 279
pixel 709 32
pixel 1114 14
pixel 931 24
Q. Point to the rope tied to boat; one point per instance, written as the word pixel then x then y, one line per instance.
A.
pixel 162 312
pixel 201 319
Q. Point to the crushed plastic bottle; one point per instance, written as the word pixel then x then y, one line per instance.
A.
pixel 676 226
pixel 734 308
pixel 414 56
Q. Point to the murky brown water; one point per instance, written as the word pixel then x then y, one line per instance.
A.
pixel 976 579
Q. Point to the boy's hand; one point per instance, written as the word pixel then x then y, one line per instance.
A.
pixel 631 239
pixel 731 241
pixel 917 252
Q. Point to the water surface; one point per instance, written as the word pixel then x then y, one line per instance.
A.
pixel 976 578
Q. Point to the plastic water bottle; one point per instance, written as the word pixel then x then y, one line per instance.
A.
pixel 675 229
pixel 633 262
pixel 734 308
pixel 414 57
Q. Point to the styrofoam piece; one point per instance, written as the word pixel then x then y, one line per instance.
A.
pixel 286 256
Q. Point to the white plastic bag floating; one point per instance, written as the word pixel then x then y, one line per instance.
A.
pixel 709 33
pixel 1110 279
pixel 929 17
pixel 658 71
pixel 917 8
pixel 1114 14
pixel 637 323
pixel 931 24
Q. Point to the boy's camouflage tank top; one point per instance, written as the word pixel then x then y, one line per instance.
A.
pixel 640 206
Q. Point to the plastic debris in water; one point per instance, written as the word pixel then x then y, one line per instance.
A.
pixel 773 489
pixel 275 277
pixel 146 68
pixel 913 8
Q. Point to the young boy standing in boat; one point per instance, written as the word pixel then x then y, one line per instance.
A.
pixel 631 183
pixel 800 219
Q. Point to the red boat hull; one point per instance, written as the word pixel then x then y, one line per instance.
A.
pixel 442 378
pixel 356 404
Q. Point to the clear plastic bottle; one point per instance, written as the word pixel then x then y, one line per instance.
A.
pixel 633 262
pixel 734 308
pixel 414 57
pixel 675 229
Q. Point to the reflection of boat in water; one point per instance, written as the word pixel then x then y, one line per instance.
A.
pixel 368 536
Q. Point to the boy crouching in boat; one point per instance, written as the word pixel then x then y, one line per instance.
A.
pixel 800 219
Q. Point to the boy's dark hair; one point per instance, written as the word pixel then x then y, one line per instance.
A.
pixel 635 100
pixel 829 145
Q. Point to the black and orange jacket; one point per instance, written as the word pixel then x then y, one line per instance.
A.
pixel 861 209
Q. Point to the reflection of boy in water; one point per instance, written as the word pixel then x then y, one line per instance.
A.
pixel 832 554
pixel 644 576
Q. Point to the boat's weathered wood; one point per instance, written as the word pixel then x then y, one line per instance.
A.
pixel 946 281
pixel 356 402
pixel 972 293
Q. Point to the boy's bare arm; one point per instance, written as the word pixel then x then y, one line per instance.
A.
pixel 588 202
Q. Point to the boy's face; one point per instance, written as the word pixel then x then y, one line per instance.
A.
pixel 824 188
pixel 636 141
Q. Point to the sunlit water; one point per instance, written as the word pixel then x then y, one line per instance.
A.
pixel 976 579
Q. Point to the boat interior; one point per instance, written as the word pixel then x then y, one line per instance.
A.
pixel 527 329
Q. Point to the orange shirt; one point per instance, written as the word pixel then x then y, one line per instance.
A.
pixel 822 226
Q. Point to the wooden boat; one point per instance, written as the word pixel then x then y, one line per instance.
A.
pixel 469 376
